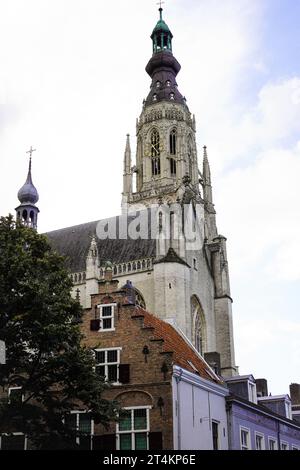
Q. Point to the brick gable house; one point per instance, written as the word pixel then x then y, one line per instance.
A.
pixel 145 358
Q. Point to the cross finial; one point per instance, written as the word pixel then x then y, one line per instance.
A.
pixel 160 3
pixel 30 151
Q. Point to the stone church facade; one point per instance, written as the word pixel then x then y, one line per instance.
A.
pixel 183 280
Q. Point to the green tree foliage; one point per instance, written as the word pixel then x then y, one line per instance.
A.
pixel 40 324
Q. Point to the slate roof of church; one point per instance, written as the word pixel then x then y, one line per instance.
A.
pixel 74 243
pixel 184 354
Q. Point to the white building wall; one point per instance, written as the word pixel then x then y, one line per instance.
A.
pixel 196 404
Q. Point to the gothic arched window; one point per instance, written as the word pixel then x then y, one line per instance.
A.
pixel 199 326
pixel 173 166
pixel 139 299
pixel 25 215
pixel 173 142
pixel 155 152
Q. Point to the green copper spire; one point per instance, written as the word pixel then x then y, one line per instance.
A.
pixel 161 36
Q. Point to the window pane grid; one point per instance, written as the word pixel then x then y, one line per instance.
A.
pixel 125 442
pixel 106 323
pixel 106 311
pixel 140 419
pixel 109 365
pixel 136 421
pixel 100 357
pixel 112 373
pixel 141 441
pixel 85 423
pixel 107 317
pixel 112 356
pixel 244 439
pixel 125 423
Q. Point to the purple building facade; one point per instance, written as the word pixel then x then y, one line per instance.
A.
pixel 252 423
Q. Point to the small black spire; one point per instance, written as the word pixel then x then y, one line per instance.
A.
pixel 28 193
pixel 163 67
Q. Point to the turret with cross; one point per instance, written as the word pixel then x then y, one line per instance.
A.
pixel 27 212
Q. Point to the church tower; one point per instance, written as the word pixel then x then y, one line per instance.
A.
pixel 190 280
pixel 27 212
pixel 166 146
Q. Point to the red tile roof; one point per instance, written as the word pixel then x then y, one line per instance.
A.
pixel 184 353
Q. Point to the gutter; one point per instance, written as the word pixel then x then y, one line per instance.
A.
pixel 178 380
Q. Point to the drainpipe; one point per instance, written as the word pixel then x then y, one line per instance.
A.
pixel 229 426
pixel 178 380
pixel 278 435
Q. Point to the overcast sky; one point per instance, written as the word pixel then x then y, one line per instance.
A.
pixel 72 82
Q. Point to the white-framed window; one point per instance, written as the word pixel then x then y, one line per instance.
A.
pixel 295 447
pixel 284 445
pixel 14 441
pixel 245 439
pixel 80 421
pixel 133 429
pixel 259 441
pixel 15 395
pixel 215 435
pixel 252 392
pixel 107 363
pixel 273 443
pixel 107 314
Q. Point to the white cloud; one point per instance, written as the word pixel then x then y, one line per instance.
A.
pixel 268 186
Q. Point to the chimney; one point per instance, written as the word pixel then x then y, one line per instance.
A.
pixel 295 394
pixel 261 387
